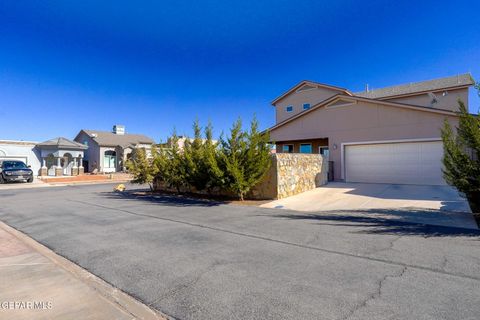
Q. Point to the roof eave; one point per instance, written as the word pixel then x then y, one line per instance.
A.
pixel 313 83
pixel 464 86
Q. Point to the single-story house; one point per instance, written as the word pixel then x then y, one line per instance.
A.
pixel 54 157
pixel 108 151
pixel 24 151
pixel 387 135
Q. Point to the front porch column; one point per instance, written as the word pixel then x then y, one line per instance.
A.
pixel 81 169
pixel 43 169
pixel 74 168
pixel 58 168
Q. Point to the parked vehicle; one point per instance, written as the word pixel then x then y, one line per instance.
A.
pixel 12 170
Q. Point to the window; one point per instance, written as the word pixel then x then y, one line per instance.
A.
pixel 306 148
pixel 306 106
pixel 324 151
pixel 289 108
pixel 109 159
pixel 288 148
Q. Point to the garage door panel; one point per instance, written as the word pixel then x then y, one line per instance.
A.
pixel 16 158
pixel 403 163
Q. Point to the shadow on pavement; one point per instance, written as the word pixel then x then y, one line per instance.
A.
pixel 162 199
pixel 374 222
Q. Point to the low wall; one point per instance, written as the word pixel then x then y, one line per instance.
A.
pixel 291 174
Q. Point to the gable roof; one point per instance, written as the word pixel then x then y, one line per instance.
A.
pixel 338 97
pixel 110 139
pixel 310 83
pixel 62 143
pixel 463 80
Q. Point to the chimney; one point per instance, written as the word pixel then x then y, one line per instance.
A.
pixel 366 88
pixel 119 129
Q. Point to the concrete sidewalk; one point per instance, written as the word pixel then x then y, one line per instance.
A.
pixel 35 283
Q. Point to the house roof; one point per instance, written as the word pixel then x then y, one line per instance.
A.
pixel 110 139
pixel 350 98
pixel 462 80
pixel 62 143
pixel 311 83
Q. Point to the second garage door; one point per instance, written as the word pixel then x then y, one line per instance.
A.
pixel 401 163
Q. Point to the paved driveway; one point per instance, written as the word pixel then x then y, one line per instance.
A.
pixel 437 205
pixel 196 260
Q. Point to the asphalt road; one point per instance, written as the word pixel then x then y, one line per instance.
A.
pixel 197 260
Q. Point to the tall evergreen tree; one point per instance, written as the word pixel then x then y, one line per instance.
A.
pixel 257 158
pixel 194 160
pixel 462 154
pixel 214 173
pixel 174 173
pixel 140 166
pixel 245 158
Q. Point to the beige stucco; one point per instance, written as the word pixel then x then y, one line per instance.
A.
pixel 361 122
pixel 299 97
pixel 448 101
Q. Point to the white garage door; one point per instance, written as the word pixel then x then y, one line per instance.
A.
pixel 19 158
pixel 402 163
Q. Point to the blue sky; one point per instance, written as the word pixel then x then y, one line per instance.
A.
pixel 156 65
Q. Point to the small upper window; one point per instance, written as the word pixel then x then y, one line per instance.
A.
pixel 289 108
pixel 306 106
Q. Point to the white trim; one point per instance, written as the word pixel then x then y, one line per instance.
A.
pixel 333 106
pixel 344 144
pixel 308 89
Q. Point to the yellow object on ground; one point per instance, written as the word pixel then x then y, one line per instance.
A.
pixel 120 187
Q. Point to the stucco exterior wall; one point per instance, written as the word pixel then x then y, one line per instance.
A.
pixel 447 102
pixel 23 151
pixel 361 122
pixel 297 99
pixel 92 154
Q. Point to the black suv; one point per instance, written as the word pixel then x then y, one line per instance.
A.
pixel 12 170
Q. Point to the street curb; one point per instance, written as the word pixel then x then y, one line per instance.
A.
pixel 55 184
pixel 119 298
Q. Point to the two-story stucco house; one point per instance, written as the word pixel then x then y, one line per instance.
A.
pixel 108 151
pixel 387 135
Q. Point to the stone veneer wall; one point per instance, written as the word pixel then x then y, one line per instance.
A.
pixel 291 174
pixel 297 173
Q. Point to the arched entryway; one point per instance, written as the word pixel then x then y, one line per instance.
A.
pixel 67 164
pixel 109 161
pixel 50 162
